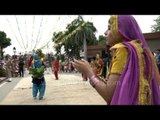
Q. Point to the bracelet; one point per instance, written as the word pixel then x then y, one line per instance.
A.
pixel 93 81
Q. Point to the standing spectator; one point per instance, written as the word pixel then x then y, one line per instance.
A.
pixel 8 67
pixel 21 67
pixel 104 70
pixel 157 57
pixel 99 65
pixel 92 63
pixel 16 69
pixel 84 76
pixel 56 67
pixel 108 56
pixel 30 62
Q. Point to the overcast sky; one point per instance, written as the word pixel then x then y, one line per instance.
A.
pixel 34 31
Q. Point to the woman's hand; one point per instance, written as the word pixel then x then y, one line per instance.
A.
pixel 83 66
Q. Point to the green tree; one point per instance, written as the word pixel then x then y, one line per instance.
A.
pixel 83 33
pixel 58 49
pixel 101 40
pixel 156 26
pixel 86 33
pixel 78 33
pixel 56 39
pixel 4 42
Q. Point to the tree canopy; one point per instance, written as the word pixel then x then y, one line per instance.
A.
pixel 156 26
pixel 4 42
pixel 77 34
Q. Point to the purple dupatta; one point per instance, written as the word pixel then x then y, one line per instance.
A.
pixel 126 92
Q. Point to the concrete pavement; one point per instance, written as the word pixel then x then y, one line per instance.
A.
pixel 70 89
pixel 2 79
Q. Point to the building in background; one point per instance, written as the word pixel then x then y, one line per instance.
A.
pixel 153 40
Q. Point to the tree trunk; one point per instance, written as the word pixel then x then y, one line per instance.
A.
pixel 0 53
pixel 85 47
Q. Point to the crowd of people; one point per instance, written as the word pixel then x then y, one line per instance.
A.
pixel 14 67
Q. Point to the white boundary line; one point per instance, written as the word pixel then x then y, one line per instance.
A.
pixel 3 84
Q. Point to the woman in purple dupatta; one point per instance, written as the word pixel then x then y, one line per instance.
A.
pixel 133 78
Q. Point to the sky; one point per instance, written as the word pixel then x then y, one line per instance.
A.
pixel 34 31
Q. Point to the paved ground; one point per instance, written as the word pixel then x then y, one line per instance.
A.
pixel 69 90
pixel 2 79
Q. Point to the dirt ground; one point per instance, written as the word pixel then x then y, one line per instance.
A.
pixel 70 89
